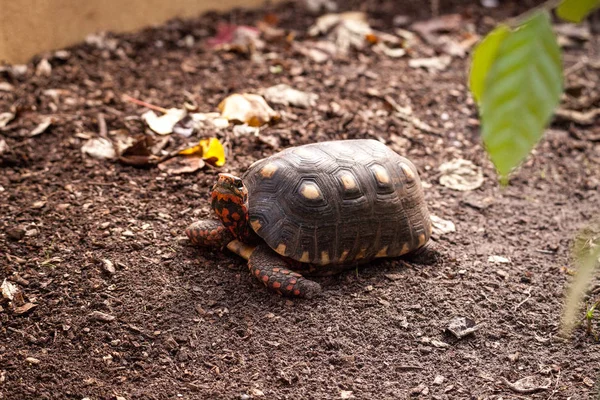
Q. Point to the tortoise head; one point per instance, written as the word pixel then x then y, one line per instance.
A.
pixel 230 203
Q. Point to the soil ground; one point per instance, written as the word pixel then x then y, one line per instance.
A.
pixel 194 324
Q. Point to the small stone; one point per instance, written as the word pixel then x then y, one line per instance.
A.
pixel 394 277
pixel 461 327
pixel 418 390
pixel 346 394
pixel 108 266
pixel 502 274
pixel 438 380
pixel 32 360
pixel 32 232
pixel 384 303
pixel 588 382
pixel 514 357
pixel 439 343
pixel 499 260
pixel 15 233
pixel 44 68
pixel 128 233
pixel 257 392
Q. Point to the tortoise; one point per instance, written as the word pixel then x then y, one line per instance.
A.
pixel 317 209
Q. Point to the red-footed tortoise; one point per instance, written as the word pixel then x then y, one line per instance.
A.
pixel 317 209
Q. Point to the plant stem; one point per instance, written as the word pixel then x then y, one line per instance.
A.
pixel 144 104
pixel 519 20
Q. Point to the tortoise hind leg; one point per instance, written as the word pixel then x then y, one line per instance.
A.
pixel 269 268
pixel 209 233
pixel 425 255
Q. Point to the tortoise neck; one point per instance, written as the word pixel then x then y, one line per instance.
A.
pixel 232 210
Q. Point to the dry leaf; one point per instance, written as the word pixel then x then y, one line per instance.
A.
pixel 196 121
pixel 25 308
pixel 182 165
pixel 441 226
pixel 247 108
pixel 319 51
pixel 239 38
pixel 211 150
pixel 41 128
pixel 460 174
pixel 529 384
pixel 392 52
pixel 347 30
pixel 99 148
pixel 288 96
pixel 6 87
pixel 5 118
pixel 431 64
pixel 163 125
pixel 9 290
pixel 498 259
pixel 144 152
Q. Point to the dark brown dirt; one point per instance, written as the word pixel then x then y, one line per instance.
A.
pixel 193 324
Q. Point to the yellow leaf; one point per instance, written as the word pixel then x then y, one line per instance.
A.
pixel 197 149
pixel 213 151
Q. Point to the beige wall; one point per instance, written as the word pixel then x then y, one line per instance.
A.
pixel 28 27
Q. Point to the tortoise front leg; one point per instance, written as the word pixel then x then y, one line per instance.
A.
pixel 209 233
pixel 269 268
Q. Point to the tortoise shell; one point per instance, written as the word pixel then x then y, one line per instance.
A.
pixel 338 202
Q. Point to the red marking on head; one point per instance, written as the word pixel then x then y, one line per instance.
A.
pixel 289 288
pixel 265 278
pixel 276 285
pixel 257 272
pixel 230 203
pixel 297 292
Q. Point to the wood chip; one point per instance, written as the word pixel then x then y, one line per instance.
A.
pixel 102 317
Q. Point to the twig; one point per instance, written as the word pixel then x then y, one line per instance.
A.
pixel 402 113
pixel 133 100
pixel 523 302
pixel 555 386
pixel 548 5
pixel 521 390
pixel 102 125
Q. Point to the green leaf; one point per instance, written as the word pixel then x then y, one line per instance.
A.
pixel 483 57
pixel 576 10
pixel 522 89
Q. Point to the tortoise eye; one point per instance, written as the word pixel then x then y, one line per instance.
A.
pixel 237 182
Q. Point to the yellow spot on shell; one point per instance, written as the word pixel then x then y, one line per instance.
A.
pixel 241 249
pixel 405 249
pixel 255 225
pixel 324 258
pixel 268 170
pixel 310 191
pixel 408 172
pixel 304 257
pixel 361 254
pixel 421 239
pixel 381 174
pixel 382 252
pixel 281 249
pixel 344 255
pixel 348 181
